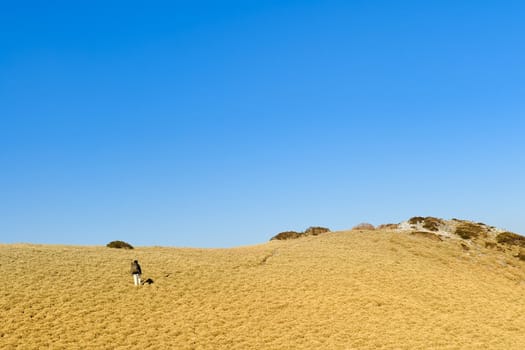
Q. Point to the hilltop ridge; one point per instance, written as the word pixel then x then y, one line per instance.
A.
pixel 442 227
pixel 469 232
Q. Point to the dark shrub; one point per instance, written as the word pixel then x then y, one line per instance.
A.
pixel 119 244
pixel 432 224
pixel 469 230
pixel 511 238
pixel 415 220
pixel 364 226
pixel 316 230
pixel 286 235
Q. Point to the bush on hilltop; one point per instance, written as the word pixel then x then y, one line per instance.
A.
pixel 469 230
pixel 511 238
pixel 310 231
pixel 119 244
pixel 432 224
pixel 415 220
pixel 286 235
pixel 429 223
pixel 316 230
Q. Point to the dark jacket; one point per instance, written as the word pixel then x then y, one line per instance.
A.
pixel 135 268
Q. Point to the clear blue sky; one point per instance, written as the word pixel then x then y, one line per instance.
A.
pixel 222 123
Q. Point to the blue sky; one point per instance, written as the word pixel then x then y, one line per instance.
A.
pixel 222 123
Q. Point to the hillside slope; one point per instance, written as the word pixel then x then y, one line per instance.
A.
pixel 342 290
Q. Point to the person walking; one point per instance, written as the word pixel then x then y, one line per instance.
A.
pixel 136 271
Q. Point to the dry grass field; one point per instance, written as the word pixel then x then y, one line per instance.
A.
pixel 343 290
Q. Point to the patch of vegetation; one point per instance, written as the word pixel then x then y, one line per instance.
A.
pixel 431 223
pixel 310 231
pixel 416 220
pixel 511 238
pixel 364 226
pixel 119 244
pixel 316 230
pixel 469 230
pixel 287 235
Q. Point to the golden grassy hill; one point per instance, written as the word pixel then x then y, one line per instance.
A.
pixel 343 290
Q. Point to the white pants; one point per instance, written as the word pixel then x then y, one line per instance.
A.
pixel 136 279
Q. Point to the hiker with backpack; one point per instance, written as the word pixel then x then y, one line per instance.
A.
pixel 136 271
